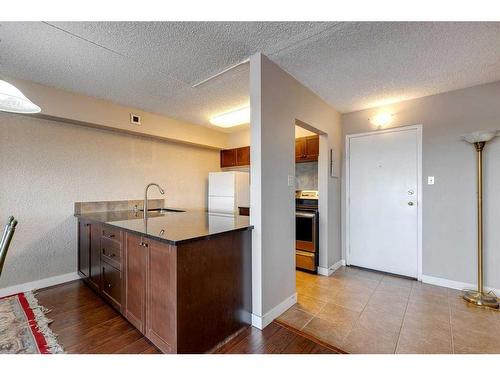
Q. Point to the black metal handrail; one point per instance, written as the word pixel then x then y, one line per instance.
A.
pixel 8 232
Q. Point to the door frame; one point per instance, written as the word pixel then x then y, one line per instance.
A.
pixel 348 137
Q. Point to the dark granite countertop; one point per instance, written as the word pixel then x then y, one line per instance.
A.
pixel 172 227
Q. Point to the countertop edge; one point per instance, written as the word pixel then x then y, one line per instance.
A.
pixel 165 240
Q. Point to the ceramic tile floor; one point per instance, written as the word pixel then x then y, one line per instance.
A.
pixel 361 311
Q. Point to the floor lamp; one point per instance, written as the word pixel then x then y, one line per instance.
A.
pixel 479 297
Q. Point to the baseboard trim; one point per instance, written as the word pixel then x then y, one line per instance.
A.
pixel 39 284
pixel 452 284
pixel 261 322
pixel 328 271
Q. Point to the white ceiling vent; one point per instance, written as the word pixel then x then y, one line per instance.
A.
pixel 135 119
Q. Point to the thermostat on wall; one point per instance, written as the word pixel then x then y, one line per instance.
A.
pixel 135 119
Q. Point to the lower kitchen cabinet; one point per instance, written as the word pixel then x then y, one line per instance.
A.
pixel 150 290
pixel 89 260
pixel 185 298
pixel 161 322
pixel 95 256
pixel 111 278
pixel 136 257
pixel 84 248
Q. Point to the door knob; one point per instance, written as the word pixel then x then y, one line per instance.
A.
pixel 410 203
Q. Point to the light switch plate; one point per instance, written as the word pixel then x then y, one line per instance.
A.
pixel 430 180
pixel 291 180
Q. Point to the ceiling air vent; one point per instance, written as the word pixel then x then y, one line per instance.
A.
pixel 135 119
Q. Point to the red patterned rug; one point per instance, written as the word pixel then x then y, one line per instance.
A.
pixel 24 328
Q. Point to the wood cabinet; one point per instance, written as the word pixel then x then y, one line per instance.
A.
pixel 112 284
pixel 150 289
pixel 84 248
pixel 235 157
pixel 99 260
pixel 95 256
pixel 136 258
pixel 307 149
pixel 161 319
pixel 89 262
pixel 184 298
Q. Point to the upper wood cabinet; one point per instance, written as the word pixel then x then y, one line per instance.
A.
pixel 307 149
pixel 235 157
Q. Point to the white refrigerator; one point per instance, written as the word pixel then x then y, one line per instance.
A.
pixel 227 191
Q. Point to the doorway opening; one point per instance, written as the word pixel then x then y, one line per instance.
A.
pixel 307 198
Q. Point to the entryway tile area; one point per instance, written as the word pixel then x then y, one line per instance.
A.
pixel 362 311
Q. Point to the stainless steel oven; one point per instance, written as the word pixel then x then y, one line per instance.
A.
pixel 306 230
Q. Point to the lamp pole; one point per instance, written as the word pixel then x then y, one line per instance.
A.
pixel 478 297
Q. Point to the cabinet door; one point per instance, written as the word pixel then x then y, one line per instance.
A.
pixel 312 147
pixel 112 284
pixel 243 156
pixel 300 148
pixel 228 158
pixel 95 256
pixel 84 248
pixel 136 257
pixel 161 296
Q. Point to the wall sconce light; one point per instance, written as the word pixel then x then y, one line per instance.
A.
pixel 381 120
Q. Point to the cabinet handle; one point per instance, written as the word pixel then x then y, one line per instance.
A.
pixel 144 244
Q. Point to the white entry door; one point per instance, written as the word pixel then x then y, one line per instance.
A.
pixel 383 200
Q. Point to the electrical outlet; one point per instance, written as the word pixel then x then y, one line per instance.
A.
pixel 430 180
pixel 291 180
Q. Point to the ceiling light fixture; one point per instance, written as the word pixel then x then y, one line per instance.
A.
pixel 237 117
pixel 381 120
pixel 13 100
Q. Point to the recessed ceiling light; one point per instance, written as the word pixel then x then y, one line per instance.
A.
pixel 13 100
pixel 237 117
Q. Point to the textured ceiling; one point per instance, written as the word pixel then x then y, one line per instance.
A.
pixel 153 66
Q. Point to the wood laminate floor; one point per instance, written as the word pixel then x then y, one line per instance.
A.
pixel 86 324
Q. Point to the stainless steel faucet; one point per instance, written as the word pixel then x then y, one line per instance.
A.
pixel 146 197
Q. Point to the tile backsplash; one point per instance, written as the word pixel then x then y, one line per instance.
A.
pixel 104 206
pixel 306 176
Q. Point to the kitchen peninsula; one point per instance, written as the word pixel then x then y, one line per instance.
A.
pixel 183 279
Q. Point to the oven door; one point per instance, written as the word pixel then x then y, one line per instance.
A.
pixel 305 231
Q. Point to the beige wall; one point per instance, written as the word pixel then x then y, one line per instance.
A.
pixel 105 114
pixel 449 206
pixel 277 101
pixel 45 166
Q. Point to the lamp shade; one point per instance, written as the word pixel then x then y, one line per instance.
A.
pixel 480 136
pixel 13 100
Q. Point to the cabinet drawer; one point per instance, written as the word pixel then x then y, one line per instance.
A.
pixel 111 233
pixel 112 284
pixel 111 252
pixel 305 260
